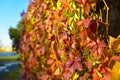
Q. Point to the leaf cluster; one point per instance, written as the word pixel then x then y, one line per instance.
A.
pixel 62 41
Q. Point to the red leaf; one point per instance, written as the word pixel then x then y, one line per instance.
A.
pixel 82 35
pixel 63 35
pixel 100 51
pixel 89 64
pixel 93 26
pixel 87 8
pixel 83 1
pixel 90 34
pixel 69 63
pixel 79 1
pixel 87 22
pixel 74 45
pixel 95 76
pixel 67 75
pixel 49 62
pixel 78 66
pixel 73 38
pixel 116 58
pixel 78 59
pixel 102 44
pixel 42 50
pixel 80 23
pixel 107 76
pixel 44 77
pixel 67 42
pixel 63 7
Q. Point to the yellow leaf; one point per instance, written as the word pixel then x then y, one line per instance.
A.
pixel 115 46
pixel 116 71
pixel 76 75
pixel 57 72
pixel 99 74
pixel 59 5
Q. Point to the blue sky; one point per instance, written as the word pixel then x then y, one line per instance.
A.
pixel 9 16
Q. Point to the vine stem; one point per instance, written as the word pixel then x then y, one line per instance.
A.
pixel 106 17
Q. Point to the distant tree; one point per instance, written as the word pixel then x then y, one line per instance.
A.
pixel 15 34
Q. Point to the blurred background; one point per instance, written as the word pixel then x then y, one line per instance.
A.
pixel 10 30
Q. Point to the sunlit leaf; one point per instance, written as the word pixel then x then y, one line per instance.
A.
pixel 87 8
pixel 99 74
pixel 74 5
pixel 116 58
pixel 57 72
pixel 33 20
pixel 59 5
pixel 76 75
pixel 116 71
pixel 82 35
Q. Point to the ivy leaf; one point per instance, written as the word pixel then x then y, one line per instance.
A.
pixel 87 22
pixel 69 63
pixel 63 35
pixel 74 45
pixel 59 5
pixel 50 61
pixel 42 50
pixel 32 20
pixel 82 35
pixel 67 42
pixel 95 75
pixel 76 75
pixel 80 23
pixel 102 44
pixel 83 1
pixel 87 8
pixel 79 1
pixel 44 77
pixel 89 64
pixel 90 34
pixel 67 75
pixel 57 71
pixel 93 26
pixel 116 58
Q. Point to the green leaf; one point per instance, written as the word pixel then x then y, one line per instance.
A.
pixel 32 20
pixel 28 27
pixel 86 51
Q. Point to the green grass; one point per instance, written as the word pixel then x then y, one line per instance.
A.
pixel 15 74
pixel 16 57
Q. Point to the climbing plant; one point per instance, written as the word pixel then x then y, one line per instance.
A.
pixel 65 40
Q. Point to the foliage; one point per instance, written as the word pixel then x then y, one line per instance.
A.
pixel 15 34
pixel 62 40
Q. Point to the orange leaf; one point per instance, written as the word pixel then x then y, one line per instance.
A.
pixel 87 8
pixel 116 58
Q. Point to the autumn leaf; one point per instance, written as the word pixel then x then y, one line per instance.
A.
pixel 89 64
pixel 93 26
pixel 44 77
pixel 116 58
pixel 87 8
pixel 82 35
pixel 80 23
